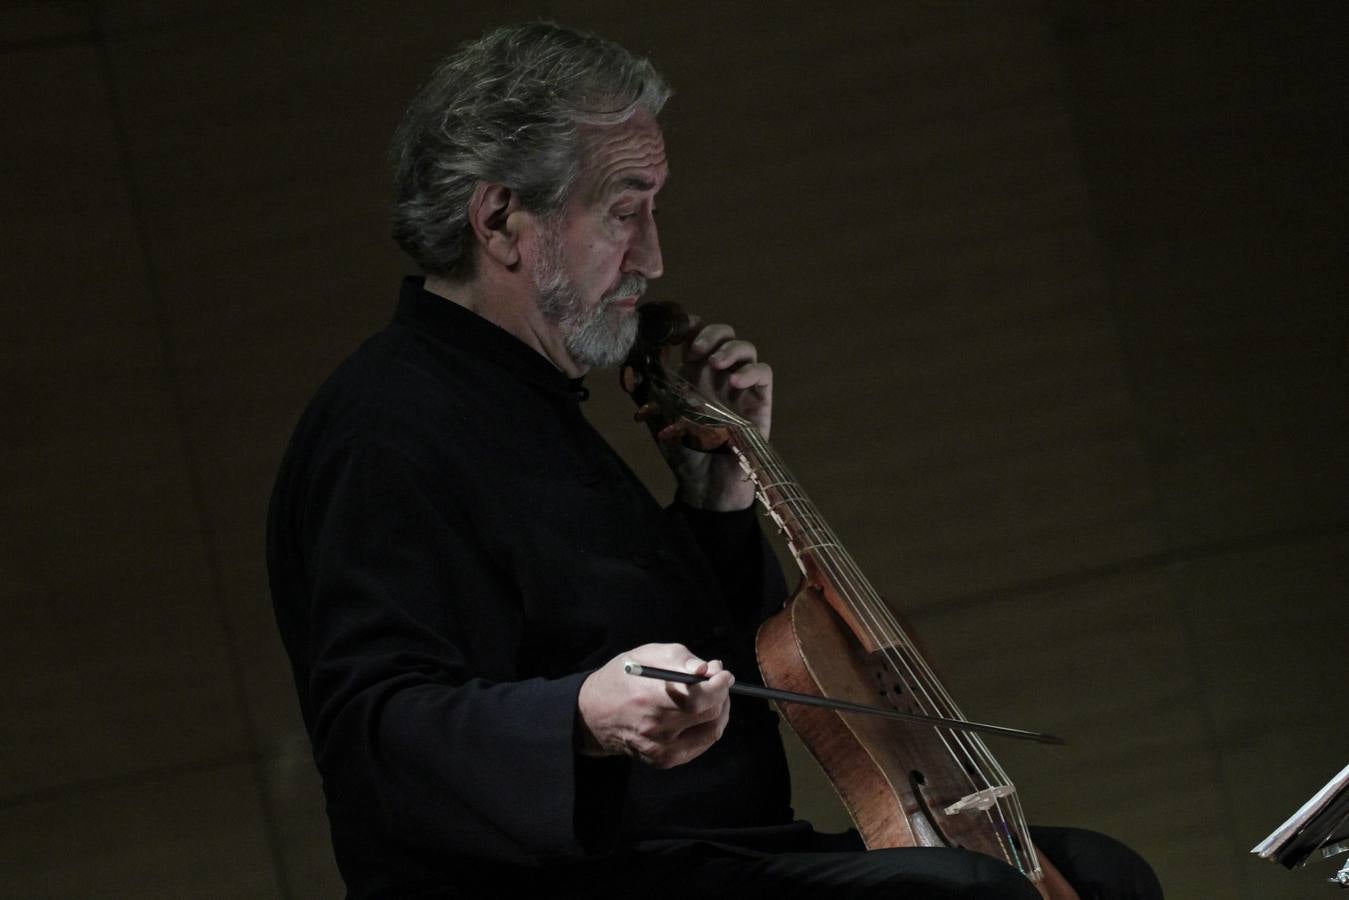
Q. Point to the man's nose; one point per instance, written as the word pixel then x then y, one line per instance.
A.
pixel 644 252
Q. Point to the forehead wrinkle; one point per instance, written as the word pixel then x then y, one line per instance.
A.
pixel 626 157
pixel 626 179
pixel 639 183
pixel 637 165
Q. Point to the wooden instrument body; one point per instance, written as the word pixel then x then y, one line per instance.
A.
pixel 904 784
pixel 890 778
pixel 883 770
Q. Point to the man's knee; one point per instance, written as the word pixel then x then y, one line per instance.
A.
pixel 993 878
pixel 1097 864
pixel 948 873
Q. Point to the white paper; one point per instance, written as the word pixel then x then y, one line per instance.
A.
pixel 1270 845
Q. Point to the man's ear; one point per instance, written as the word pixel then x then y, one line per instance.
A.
pixel 495 215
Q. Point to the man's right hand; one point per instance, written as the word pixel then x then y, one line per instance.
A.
pixel 661 723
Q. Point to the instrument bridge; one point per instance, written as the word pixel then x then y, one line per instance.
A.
pixel 980 801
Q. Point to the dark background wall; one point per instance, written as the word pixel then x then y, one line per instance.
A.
pixel 1053 292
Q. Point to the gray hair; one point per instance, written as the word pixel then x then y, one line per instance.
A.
pixel 506 109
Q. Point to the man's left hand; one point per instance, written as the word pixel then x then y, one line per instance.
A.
pixel 726 369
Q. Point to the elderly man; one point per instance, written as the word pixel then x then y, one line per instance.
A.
pixel 460 564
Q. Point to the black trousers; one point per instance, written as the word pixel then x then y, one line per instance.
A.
pixel 837 866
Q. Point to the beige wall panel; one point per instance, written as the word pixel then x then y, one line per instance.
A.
pixel 111 645
pixel 1271 658
pixel 299 823
pixel 1217 172
pixel 1052 297
pixel 905 234
pixel 1104 664
pixel 50 21
pixel 192 834
pixel 266 217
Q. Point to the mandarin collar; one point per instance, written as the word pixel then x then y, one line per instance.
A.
pixel 447 321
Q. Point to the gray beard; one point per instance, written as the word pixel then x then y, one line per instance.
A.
pixel 597 337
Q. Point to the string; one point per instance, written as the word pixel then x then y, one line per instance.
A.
pixel 883 629
pixel 878 618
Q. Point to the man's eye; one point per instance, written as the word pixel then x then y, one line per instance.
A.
pixel 624 216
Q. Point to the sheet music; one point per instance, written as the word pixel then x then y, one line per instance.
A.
pixel 1272 844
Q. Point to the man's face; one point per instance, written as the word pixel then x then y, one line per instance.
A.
pixel 594 258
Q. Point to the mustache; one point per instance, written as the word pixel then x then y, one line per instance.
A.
pixel 632 284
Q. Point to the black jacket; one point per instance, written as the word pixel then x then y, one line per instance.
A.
pixel 452 549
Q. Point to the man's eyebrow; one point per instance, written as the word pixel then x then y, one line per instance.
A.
pixel 632 183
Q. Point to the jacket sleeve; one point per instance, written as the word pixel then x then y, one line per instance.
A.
pixel 741 558
pixel 421 727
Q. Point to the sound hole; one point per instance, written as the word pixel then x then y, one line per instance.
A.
pixel 917 780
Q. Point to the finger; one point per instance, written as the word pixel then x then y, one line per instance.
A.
pixel 664 726
pixel 659 694
pixel 725 718
pixel 732 353
pixel 681 696
pixel 695 701
pixel 657 654
pixel 690 332
pixel 694 666
pixel 720 680
pixel 675 722
pixel 676 751
pixel 704 701
pixel 673 432
pixel 707 339
pixel 692 743
pixel 662 656
pixel 698 737
pixel 755 375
